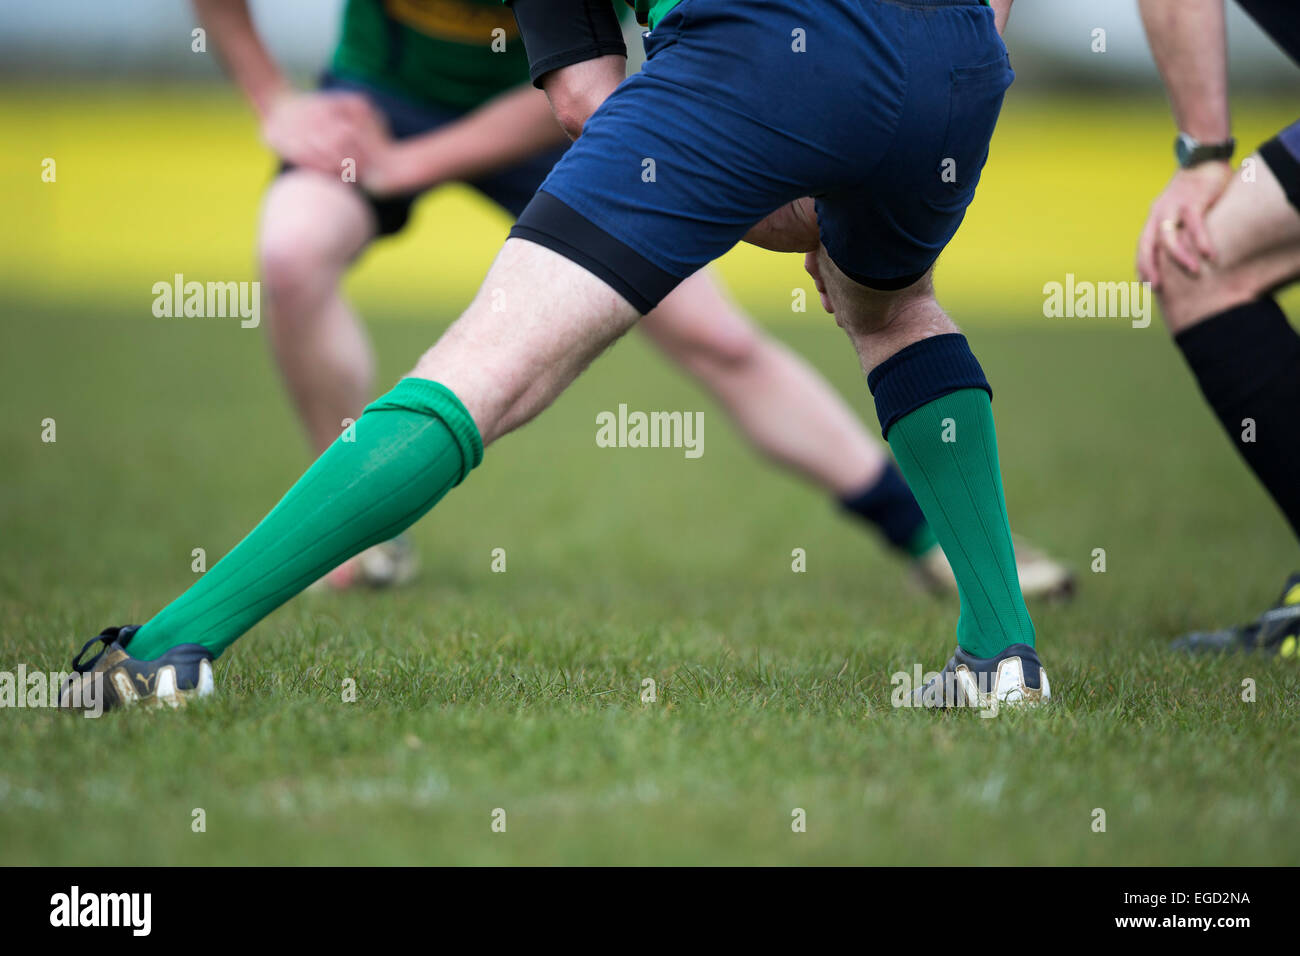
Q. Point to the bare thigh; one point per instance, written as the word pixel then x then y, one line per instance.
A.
pixel 538 320
pixel 698 326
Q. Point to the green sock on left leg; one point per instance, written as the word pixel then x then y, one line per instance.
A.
pixel 959 485
pixel 934 407
pixel 409 448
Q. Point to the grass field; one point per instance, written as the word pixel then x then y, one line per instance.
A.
pixel 521 690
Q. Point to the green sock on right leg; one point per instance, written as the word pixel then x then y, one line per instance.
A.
pixel 408 449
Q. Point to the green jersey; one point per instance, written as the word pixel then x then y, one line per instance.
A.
pixel 448 53
pixel 456 54
pixel 652 11
pixel 647 11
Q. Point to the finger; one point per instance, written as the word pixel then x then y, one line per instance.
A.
pixel 1174 242
pixel 321 155
pixel 351 142
pixel 805 210
pixel 341 144
pixel 369 121
pixel 352 106
pixel 1191 257
pixel 1200 235
pixel 811 266
pixel 1146 261
pixel 365 138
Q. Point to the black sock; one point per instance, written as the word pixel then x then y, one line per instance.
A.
pixel 1247 361
pixel 888 504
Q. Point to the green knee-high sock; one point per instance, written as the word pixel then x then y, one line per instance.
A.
pixel 409 449
pixel 948 451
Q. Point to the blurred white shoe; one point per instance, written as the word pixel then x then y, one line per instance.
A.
pixel 1041 576
pixel 385 565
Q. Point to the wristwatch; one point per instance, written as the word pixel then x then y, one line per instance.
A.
pixel 1192 152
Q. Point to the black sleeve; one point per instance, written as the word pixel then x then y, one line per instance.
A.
pixel 559 33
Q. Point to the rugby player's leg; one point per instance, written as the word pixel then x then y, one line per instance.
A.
pixel 1236 340
pixel 785 408
pixel 507 364
pixel 589 255
pixel 493 370
pixel 782 406
pixel 934 407
pixel 880 237
pixel 313 227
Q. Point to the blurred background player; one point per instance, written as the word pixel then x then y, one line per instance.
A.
pixel 423 94
pixel 1217 247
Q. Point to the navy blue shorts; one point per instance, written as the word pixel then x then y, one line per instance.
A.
pixel 881 109
pixel 511 188
pixel 1281 21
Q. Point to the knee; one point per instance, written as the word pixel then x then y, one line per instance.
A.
pixel 861 319
pixel 296 271
pixel 861 311
pixel 732 344
pixel 288 268
pixel 1186 299
pixel 726 343
pixel 871 313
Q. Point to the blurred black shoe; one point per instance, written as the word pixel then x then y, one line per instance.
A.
pixel 1275 632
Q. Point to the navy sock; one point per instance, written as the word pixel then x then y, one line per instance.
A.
pixel 888 504
pixel 1247 362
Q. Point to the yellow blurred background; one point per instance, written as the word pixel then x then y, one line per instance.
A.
pixel 151 181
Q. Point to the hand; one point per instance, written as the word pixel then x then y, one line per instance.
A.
pixel 814 269
pixel 320 130
pixel 792 228
pixel 1177 220
pixel 394 168
pixel 575 91
pixel 388 167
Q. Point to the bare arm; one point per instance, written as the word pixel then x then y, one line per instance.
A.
pixel 576 91
pixel 1001 12
pixel 1189 44
pixel 507 129
pixel 308 129
pixel 576 54
pixel 242 53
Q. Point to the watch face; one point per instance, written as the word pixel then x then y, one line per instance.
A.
pixel 1191 152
